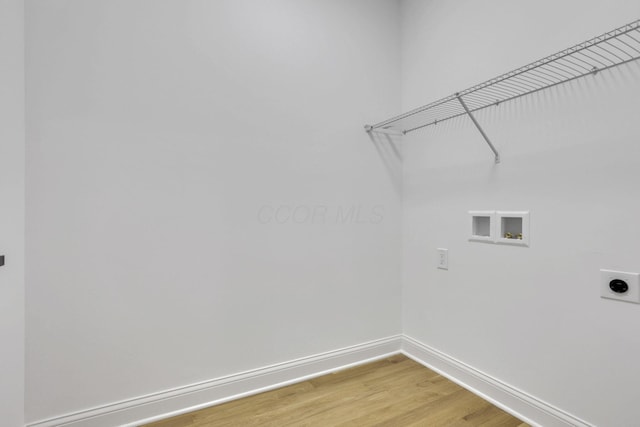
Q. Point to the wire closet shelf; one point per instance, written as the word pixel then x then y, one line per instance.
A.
pixel 609 50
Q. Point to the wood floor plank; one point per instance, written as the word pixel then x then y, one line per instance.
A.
pixel 392 392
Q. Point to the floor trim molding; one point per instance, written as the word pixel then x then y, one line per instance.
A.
pixel 189 398
pixel 518 403
pixel 180 400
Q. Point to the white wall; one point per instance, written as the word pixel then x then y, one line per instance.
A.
pixel 12 212
pixel 162 138
pixel 169 142
pixel 531 317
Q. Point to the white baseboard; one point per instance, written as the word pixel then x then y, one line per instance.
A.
pixel 518 403
pixel 189 398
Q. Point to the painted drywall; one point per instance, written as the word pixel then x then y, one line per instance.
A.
pixel 12 212
pixel 201 197
pixel 531 317
pixel 202 200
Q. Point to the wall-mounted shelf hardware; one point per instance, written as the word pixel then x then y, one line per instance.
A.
pixel 609 50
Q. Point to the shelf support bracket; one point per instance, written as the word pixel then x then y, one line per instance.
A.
pixel 385 131
pixel 475 122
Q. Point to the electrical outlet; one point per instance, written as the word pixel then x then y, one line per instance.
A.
pixel 620 285
pixel 443 258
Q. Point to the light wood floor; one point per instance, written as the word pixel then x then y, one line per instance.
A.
pixel 392 392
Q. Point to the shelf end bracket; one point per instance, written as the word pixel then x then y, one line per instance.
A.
pixel 475 122
pixel 384 131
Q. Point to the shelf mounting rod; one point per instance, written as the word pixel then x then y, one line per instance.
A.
pixel 475 122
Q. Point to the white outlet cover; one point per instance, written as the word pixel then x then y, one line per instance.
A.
pixel 632 279
pixel 443 258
